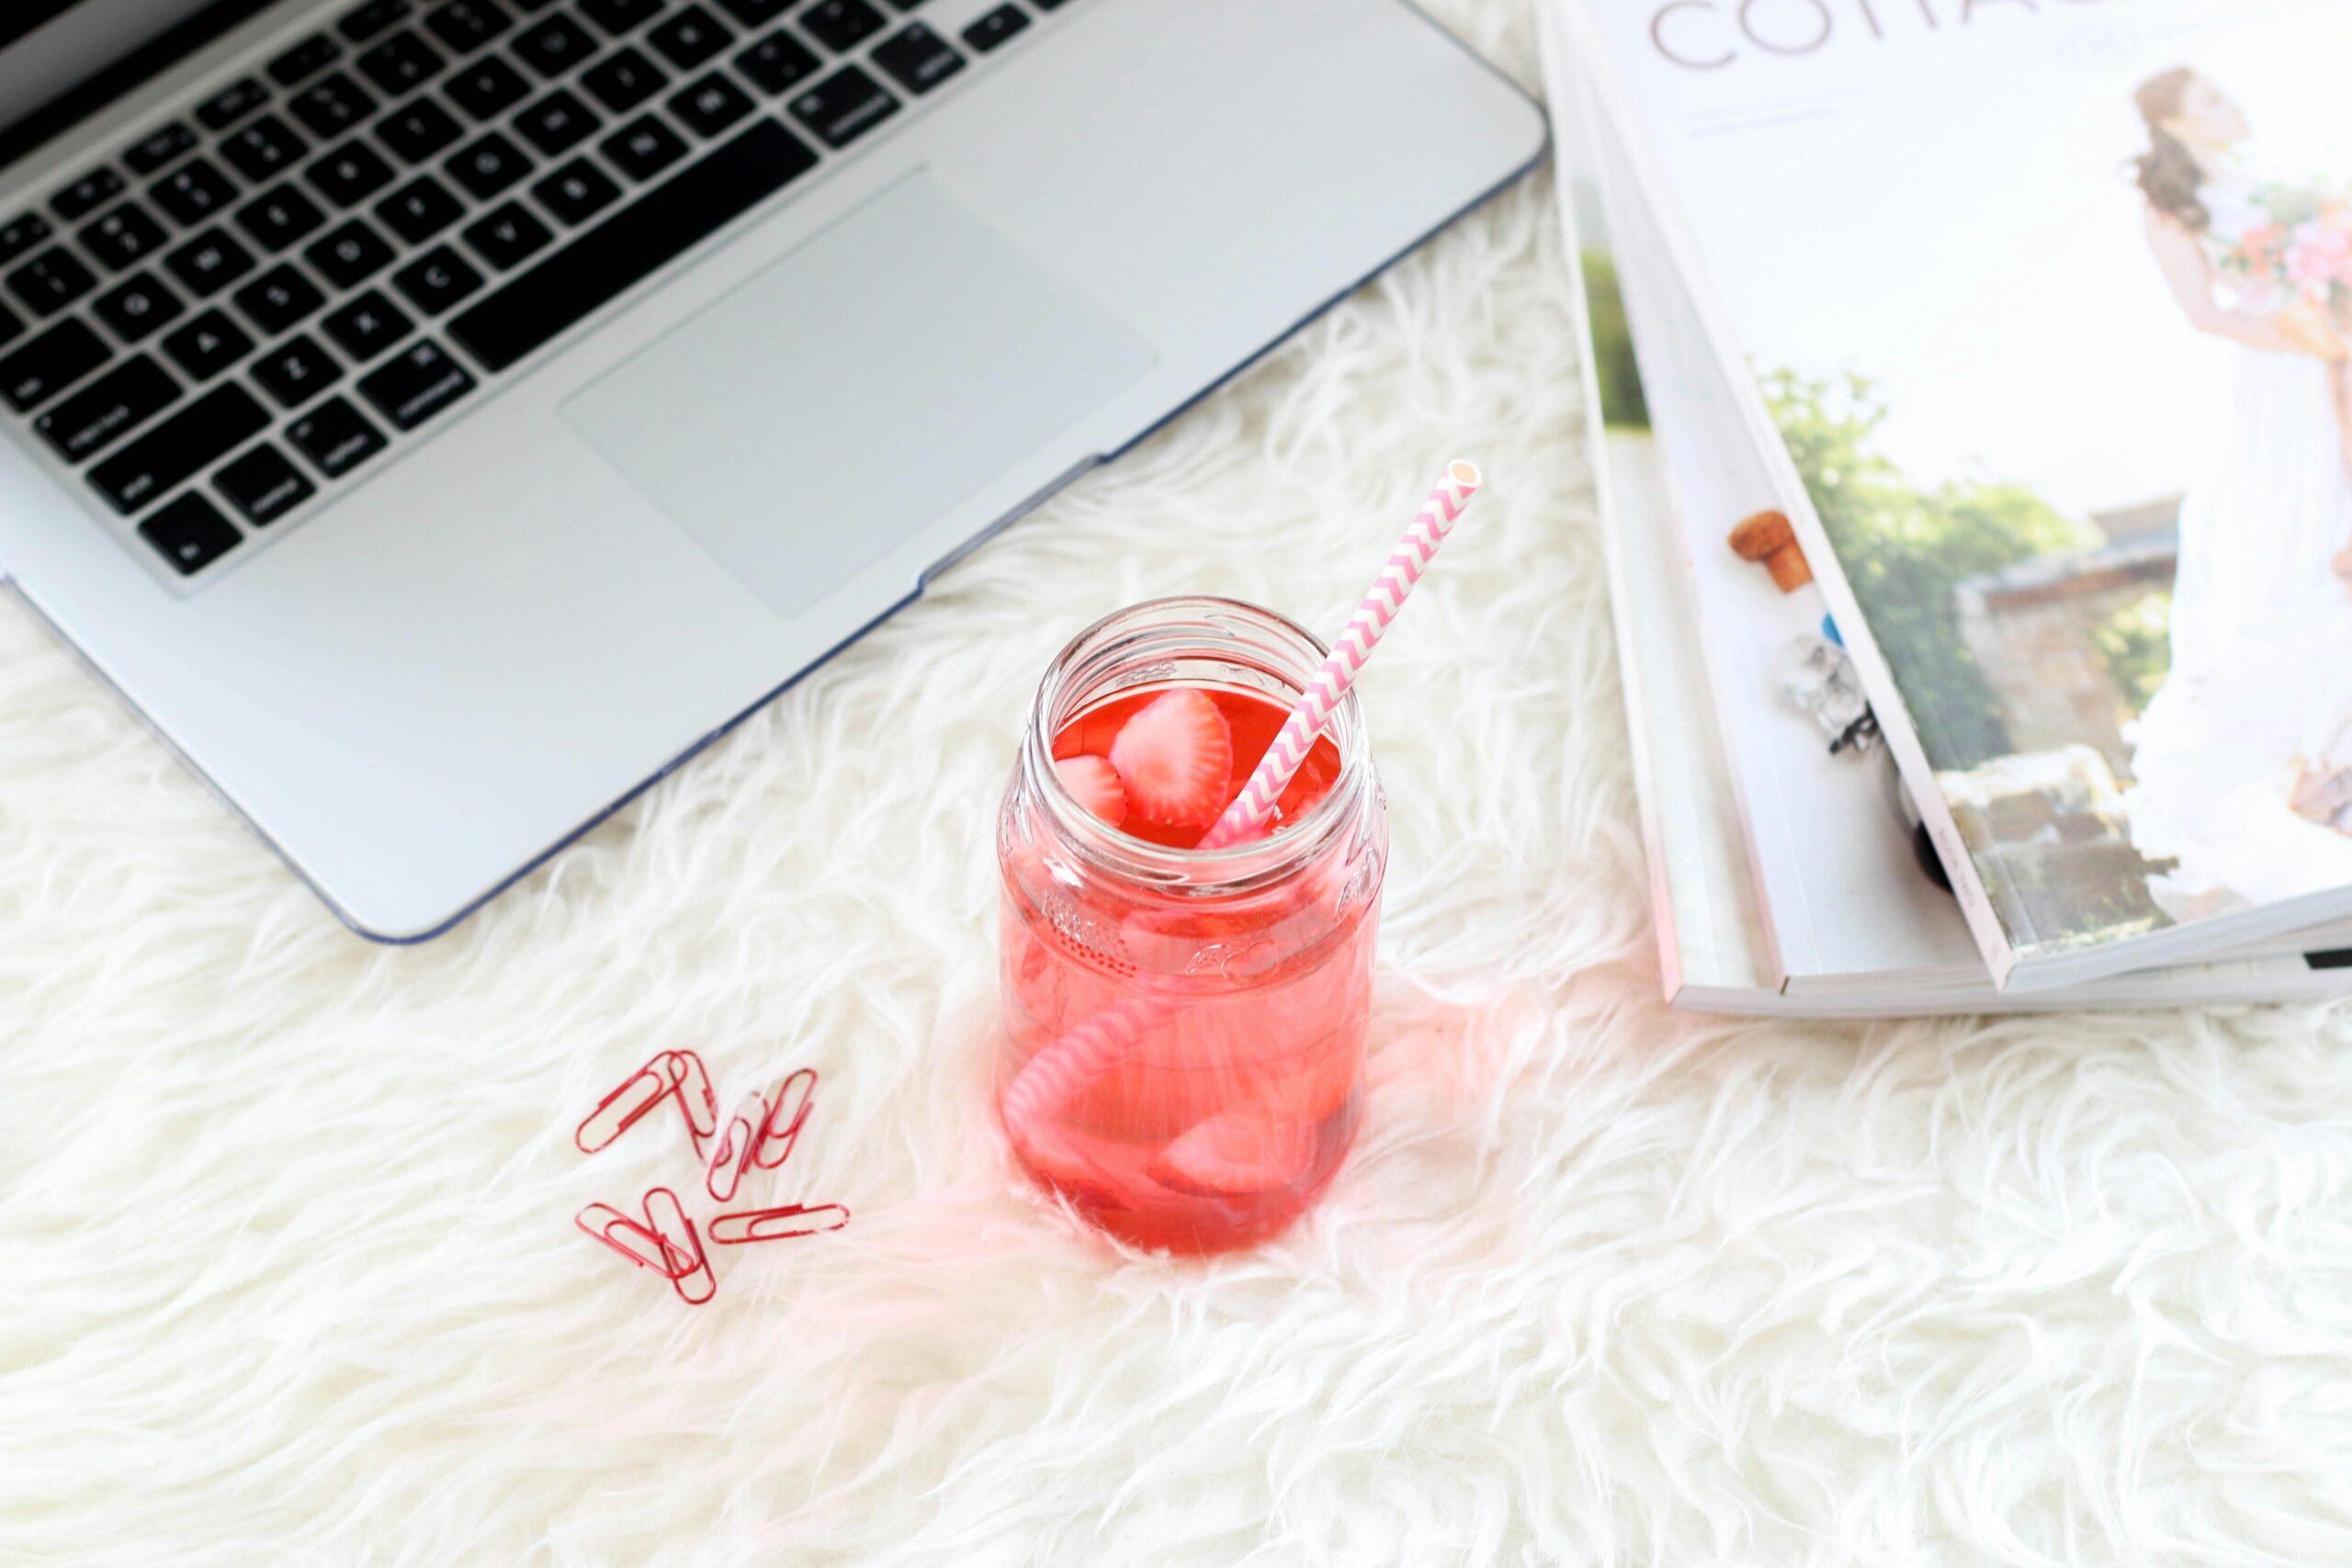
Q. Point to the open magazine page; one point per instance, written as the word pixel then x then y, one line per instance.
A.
pixel 1847 896
pixel 1711 935
pixel 2047 305
pixel 1713 947
pixel 1904 944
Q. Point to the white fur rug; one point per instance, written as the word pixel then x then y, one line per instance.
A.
pixel 287 1274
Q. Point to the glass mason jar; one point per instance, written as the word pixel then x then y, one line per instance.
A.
pixel 1184 1030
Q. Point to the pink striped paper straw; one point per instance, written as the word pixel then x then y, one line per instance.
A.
pixel 1254 807
pixel 1052 1077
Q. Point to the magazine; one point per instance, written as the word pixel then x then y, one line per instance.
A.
pixel 1785 875
pixel 2039 338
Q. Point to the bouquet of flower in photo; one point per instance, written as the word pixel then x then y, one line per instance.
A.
pixel 2298 265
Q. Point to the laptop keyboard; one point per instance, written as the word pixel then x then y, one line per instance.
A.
pixel 259 296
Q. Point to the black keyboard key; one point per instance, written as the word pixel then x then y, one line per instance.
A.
pixel 138 306
pixel 556 121
pixel 554 46
pixel 12 325
pixel 623 79
pixel 123 237
pixel 264 484
pixel 777 62
pixel 331 105
pixel 21 234
pixel 401 64
pixel 193 192
pixel 86 195
pixel 710 104
pixel 190 534
pixel 617 17
pixel 296 371
pixel 997 27
pixel 1047 4
pixel 278 216
pixel 641 149
pixel 350 174
pixel 577 192
pixel 41 369
pixel 487 88
pixel 368 325
pixel 753 13
pixel 159 147
pixel 194 438
pixel 844 107
pixel 209 261
pixel 487 166
pixel 906 4
pixel 467 24
pixel 531 5
pixel 104 411
pixel 335 437
pixel 415 131
pixel 507 236
pixel 419 210
pixel 437 279
pixel 232 104
pixel 649 234
pixel 262 148
pixel 418 384
pixel 691 37
pixel 278 299
pixel 365 22
pixel 918 57
pixel 310 56
pixel 349 254
pixel 841 24
pixel 207 345
pixel 51 281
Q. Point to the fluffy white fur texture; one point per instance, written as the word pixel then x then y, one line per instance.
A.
pixel 287 1273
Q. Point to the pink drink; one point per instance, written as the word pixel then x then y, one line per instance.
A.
pixel 1234 985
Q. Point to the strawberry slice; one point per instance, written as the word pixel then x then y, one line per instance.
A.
pixel 1250 1149
pixel 1096 785
pixel 1063 1161
pixel 1175 757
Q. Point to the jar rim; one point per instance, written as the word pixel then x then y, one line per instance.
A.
pixel 1198 626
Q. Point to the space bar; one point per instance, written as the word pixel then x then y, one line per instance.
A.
pixel 632 244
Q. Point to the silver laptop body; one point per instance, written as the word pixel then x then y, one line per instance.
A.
pixel 543 500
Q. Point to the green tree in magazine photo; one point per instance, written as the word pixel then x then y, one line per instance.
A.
pixel 1905 550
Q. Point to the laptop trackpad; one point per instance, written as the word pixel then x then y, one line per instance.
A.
pixel 832 407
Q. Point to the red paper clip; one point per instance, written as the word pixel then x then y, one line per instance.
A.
pixel 667 1073
pixel 692 1084
pixel 640 1244
pixel 696 1284
pixel 626 1106
pixel 773 1225
pixel 791 1111
pixel 737 1139
pixel 759 1132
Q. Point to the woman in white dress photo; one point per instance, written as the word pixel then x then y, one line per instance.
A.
pixel 2243 760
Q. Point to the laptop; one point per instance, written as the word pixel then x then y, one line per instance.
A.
pixel 441 418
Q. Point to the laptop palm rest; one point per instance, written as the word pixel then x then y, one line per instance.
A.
pixel 833 405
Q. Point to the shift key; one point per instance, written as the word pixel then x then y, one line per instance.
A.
pixel 183 444
pixel 100 413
